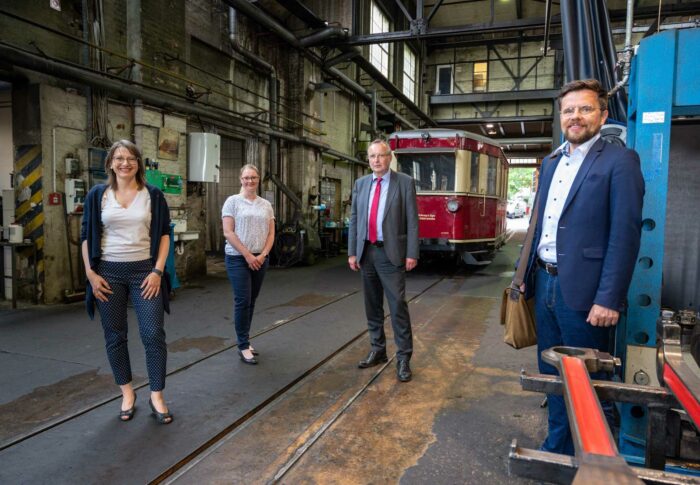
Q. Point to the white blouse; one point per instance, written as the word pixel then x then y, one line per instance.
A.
pixel 126 232
pixel 251 222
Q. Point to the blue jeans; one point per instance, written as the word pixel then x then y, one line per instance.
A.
pixel 246 285
pixel 558 324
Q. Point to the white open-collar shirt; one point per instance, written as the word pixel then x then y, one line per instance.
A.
pixel 559 189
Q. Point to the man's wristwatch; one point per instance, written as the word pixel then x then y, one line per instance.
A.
pixel 157 271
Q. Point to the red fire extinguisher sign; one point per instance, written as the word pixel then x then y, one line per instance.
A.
pixel 55 198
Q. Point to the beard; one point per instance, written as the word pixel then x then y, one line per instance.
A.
pixel 582 136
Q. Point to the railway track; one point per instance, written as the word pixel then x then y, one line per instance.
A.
pixel 210 441
pixel 180 468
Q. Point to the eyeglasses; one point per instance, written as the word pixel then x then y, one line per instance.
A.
pixel 129 160
pixel 584 110
pixel 250 179
pixel 377 155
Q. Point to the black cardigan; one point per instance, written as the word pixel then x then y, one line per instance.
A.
pixel 92 233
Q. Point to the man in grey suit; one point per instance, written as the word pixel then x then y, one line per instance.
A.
pixel 383 243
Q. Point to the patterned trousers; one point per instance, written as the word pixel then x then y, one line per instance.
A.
pixel 125 279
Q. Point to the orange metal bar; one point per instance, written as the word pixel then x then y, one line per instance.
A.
pixel 590 421
pixel 684 396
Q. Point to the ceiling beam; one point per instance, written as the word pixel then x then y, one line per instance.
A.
pixel 432 33
pixel 511 26
pixel 495 119
pixel 302 12
pixel 433 11
pixel 402 7
pixel 543 94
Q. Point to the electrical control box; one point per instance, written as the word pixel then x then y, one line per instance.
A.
pixel 72 166
pixel 203 155
pixel 75 196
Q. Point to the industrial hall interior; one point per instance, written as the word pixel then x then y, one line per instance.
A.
pixel 349 241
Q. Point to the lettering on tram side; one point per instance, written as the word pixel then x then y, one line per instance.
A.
pixel 426 217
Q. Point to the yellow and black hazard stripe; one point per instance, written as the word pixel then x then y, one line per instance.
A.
pixel 29 209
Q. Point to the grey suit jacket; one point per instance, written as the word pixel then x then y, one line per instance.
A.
pixel 400 223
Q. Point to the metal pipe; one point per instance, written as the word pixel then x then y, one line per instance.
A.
pixel 627 51
pixel 86 63
pixel 364 94
pixel 273 95
pixel 547 26
pixel 374 112
pixel 233 38
pixel 125 89
pixel 271 24
pixel 134 41
pixel 323 35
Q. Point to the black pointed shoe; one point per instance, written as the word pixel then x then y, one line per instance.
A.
pixel 251 361
pixel 403 371
pixel 128 415
pixel 375 357
pixel 161 418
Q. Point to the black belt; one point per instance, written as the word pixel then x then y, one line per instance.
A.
pixel 550 268
pixel 376 244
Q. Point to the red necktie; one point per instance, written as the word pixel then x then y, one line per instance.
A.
pixel 374 210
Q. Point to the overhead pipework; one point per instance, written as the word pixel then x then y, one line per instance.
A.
pixel 245 7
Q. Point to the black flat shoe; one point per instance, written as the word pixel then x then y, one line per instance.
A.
pixel 253 351
pixel 162 418
pixel 252 361
pixel 128 415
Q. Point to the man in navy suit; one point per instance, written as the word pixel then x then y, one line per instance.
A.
pixel 383 243
pixel 586 239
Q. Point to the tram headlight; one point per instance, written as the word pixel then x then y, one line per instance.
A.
pixel 453 205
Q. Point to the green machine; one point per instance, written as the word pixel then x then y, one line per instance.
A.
pixel 168 183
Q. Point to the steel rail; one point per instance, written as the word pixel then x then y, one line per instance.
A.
pixel 116 396
pixel 209 446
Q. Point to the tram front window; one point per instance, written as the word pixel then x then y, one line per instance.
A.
pixel 431 171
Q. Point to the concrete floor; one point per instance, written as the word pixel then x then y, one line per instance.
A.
pixel 452 424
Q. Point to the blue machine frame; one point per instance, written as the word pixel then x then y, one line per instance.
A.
pixel 665 83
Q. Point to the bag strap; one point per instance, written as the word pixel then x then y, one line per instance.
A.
pixel 527 246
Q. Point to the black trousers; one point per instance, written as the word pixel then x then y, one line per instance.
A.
pixel 380 277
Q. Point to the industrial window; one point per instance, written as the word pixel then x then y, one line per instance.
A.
pixel 474 173
pixel 491 179
pixel 379 53
pixel 431 172
pixel 443 84
pixel 481 74
pixel 409 73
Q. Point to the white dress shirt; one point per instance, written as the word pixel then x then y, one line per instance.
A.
pixel 562 181
pixel 382 203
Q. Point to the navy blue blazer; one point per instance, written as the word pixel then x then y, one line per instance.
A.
pixel 91 231
pixel 599 230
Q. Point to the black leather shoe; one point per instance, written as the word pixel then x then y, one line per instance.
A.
pixel 403 371
pixel 374 357
pixel 252 361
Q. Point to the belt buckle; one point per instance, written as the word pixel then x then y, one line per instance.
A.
pixel 550 268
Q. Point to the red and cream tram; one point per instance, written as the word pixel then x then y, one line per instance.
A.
pixel 462 185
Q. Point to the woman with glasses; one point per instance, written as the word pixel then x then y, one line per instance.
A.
pixel 249 229
pixel 125 242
